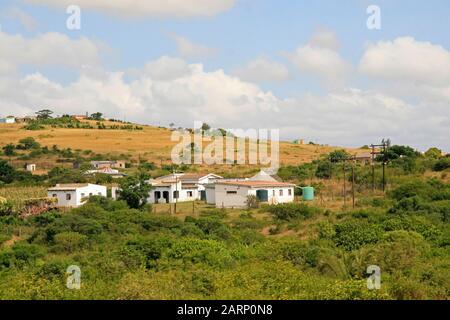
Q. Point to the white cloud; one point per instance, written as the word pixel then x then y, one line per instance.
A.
pixel 23 17
pixel 46 49
pixel 320 58
pixel 325 38
pixel 144 8
pixel 322 62
pixel 263 69
pixel 350 117
pixel 407 60
pixel 188 49
pixel 171 90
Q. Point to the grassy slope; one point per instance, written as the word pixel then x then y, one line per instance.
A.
pixel 153 144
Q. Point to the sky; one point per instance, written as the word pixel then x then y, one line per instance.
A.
pixel 313 69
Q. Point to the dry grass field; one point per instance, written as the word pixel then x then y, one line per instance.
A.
pixel 152 143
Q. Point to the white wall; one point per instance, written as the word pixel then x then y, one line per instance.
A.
pixel 228 200
pixel 61 197
pixel 239 199
pixel 211 195
pixel 76 196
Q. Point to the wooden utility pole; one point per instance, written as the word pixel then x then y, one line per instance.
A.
pixel 345 189
pixel 353 184
pixel 373 168
pixel 384 145
pixel 176 192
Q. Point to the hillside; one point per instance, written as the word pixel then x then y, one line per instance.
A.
pixel 151 143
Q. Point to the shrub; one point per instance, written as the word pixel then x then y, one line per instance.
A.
pixel 442 164
pixel 209 252
pixel 70 241
pixel 290 211
pixel 352 235
pixel 27 254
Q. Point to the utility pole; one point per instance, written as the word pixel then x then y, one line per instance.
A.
pixel 353 183
pixel 176 191
pixel 373 168
pixel 384 147
pixel 345 189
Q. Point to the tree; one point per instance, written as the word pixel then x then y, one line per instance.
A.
pixel 98 116
pixel 6 172
pixel 44 114
pixel 9 150
pixel 396 152
pixel 338 156
pixel 205 127
pixel 433 153
pixel 134 190
pixel 28 143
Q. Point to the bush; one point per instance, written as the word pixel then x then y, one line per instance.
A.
pixel 70 241
pixel 27 254
pixel 442 164
pixel 290 211
pixel 352 235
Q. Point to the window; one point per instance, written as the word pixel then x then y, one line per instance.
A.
pixel 273 193
pixel 281 192
pixel 231 192
pixel 290 192
pixel 68 197
pixel 99 193
pixel 54 195
pixel 190 194
pixel 176 194
pixel 83 195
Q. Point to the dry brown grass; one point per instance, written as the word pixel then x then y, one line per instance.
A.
pixel 152 143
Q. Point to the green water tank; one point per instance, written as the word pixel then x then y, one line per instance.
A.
pixel 308 193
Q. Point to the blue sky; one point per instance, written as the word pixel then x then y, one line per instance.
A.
pixel 243 32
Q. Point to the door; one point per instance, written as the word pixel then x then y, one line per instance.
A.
pixel 157 195
pixel 166 196
pixel 203 195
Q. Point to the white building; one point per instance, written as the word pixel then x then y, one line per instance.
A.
pixel 170 190
pixel 9 119
pixel 192 183
pixel 200 181
pixel 31 167
pixel 233 194
pixel 112 172
pixel 75 195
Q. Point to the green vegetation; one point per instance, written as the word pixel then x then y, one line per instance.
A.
pixel 127 249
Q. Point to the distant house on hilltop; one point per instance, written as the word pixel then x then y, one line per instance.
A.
pixel 118 164
pixel 8 119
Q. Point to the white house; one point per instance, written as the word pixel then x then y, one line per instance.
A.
pixel 233 194
pixel 112 172
pixel 9 119
pixel 199 180
pixel 192 182
pixel 74 195
pixel 31 167
pixel 170 190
